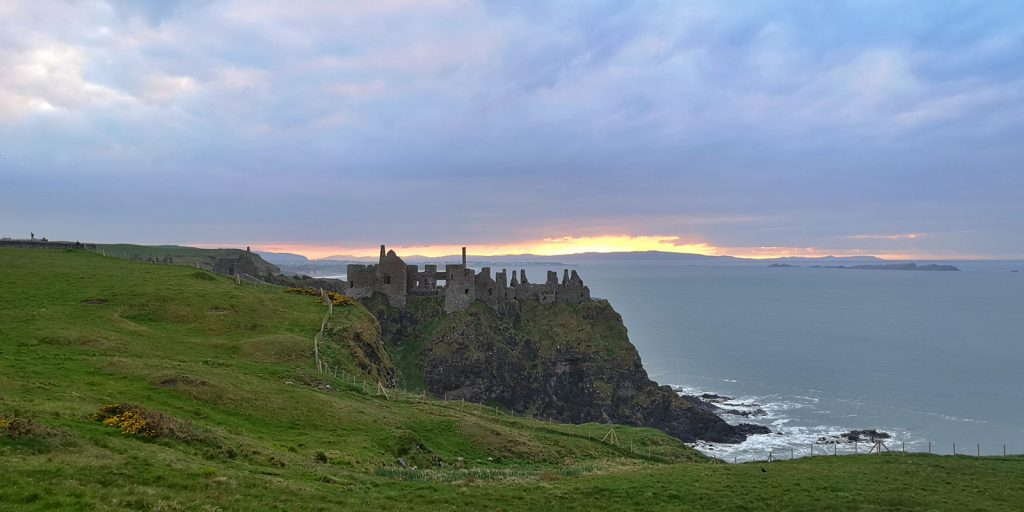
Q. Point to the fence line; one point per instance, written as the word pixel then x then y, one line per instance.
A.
pixel 876 447
pixel 320 366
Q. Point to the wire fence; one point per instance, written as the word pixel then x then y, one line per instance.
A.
pixel 874 447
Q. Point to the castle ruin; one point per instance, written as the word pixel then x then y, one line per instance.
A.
pixel 457 283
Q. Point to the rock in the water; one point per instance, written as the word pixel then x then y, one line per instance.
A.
pixel 749 429
pixel 871 435
pixel 712 397
pixel 745 413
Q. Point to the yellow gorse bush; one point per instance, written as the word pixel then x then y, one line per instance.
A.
pixel 336 298
pixel 340 300
pixel 130 423
pixel 133 420
pixel 21 427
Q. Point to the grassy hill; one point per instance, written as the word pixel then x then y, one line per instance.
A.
pixel 241 420
pixel 182 255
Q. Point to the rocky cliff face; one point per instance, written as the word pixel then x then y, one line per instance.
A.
pixel 568 362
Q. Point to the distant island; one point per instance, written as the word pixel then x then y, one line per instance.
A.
pixel 885 266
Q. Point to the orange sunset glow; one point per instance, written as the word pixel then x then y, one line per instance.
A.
pixel 561 246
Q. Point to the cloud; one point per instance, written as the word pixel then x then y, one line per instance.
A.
pixel 753 125
pixel 902 236
pixel 49 77
pixel 165 88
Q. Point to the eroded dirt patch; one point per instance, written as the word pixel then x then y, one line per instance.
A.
pixel 180 380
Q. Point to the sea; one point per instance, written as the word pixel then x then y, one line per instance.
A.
pixel 932 358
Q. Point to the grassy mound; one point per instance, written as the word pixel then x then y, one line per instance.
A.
pixel 223 377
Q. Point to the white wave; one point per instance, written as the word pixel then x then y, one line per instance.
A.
pixel 790 436
pixel 801 441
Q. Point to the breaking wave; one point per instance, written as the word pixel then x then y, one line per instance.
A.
pixel 794 433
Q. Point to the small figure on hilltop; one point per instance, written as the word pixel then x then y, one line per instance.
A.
pixel 32 236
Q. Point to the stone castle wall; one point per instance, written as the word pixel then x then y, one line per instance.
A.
pixel 462 285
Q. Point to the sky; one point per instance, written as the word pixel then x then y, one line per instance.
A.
pixel 322 127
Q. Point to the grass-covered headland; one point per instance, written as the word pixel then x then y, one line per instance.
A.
pixel 132 386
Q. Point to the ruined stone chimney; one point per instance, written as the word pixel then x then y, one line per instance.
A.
pixel 552 277
pixel 381 253
pixel 463 257
pixel 565 277
pixel 522 276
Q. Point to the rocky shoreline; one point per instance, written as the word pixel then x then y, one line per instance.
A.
pixel 728 406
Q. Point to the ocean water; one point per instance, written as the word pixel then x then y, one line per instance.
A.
pixel 927 356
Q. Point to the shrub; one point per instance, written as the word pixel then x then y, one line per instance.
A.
pixel 135 421
pixel 20 428
pixel 340 300
pixel 16 428
pixel 336 298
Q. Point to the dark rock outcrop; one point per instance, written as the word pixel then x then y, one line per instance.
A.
pixel 567 362
pixel 871 435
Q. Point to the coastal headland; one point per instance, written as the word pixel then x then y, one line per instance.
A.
pixel 127 385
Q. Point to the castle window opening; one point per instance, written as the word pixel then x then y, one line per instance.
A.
pixel 466 291
pixel 387 279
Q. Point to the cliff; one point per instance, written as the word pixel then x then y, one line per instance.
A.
pixel 563 361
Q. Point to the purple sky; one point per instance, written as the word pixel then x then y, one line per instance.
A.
pixel 843 127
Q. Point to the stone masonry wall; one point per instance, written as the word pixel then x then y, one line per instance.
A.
pixel 462 286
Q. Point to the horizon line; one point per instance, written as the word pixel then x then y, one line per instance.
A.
pixel 305 250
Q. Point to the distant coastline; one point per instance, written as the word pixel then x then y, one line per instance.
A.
pixel 887 266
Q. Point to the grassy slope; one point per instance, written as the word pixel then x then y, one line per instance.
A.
pixel 182 255
pixel 231 353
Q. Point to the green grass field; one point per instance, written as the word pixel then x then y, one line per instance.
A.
pixel 232 366
pixel 182 255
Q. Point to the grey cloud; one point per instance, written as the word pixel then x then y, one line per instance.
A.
pixel 817 121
